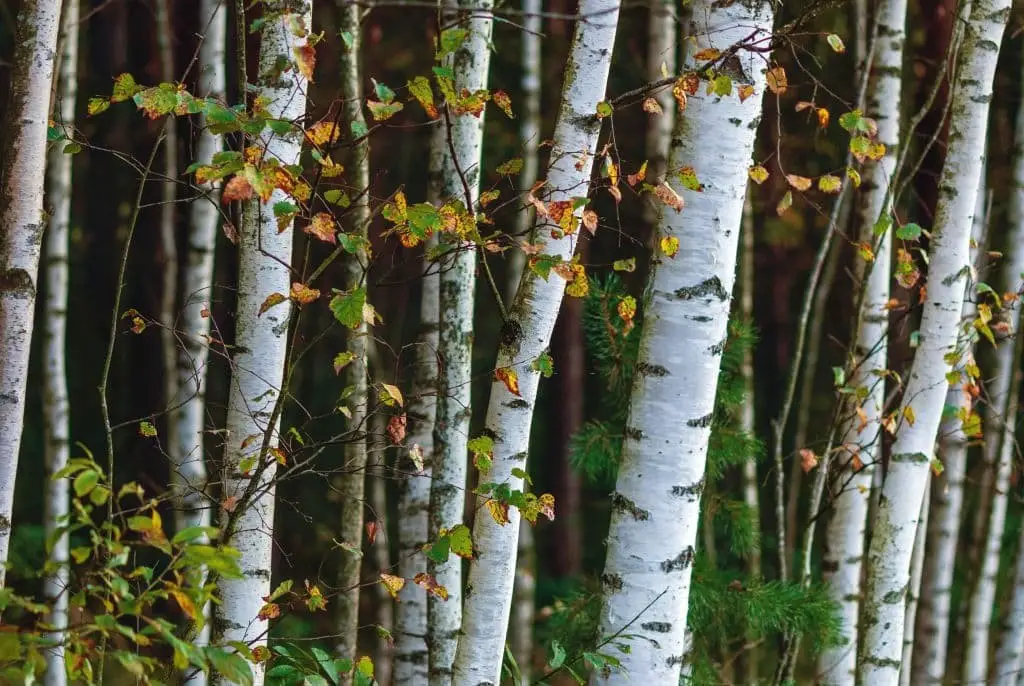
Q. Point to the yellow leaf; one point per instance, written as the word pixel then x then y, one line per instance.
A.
pixel 777 82
pixel 758 174
pixel 394 584
pixel 801 183
pixel 707 54
pixel 823 117
pixel 272 299
pixel 651 106
pixel 322 226
pixel 303 294
pixel 908 414
pixel 641 174
pixel 669 245
pixel 508 376
pixel 745 91
pixel 323 133
pixel 430 584
pixel 499 511
pixel 391 394
pixel 305 59
pixel 784 204
pixel 854 176
pixel 829 184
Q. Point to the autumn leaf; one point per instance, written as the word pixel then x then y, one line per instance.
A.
pixel 862 417
pixel 784 204
pixel 461 541
pixel 482 450
pixel 823 117
pixel 147 430
pixel 508 376
pixel 908 414
pixel 745 91
pixel 391 396
pixel 801 183
pixel 382 111
pixel 707 54
pixel 272 300
pixel 420 89
pixel 836 43
pixel 429 583
pixel 652 106
pixel 396 428
pixel 758 174
pixel 641 174
pixel 627 265
pixel 269 611
pixel 511 167
pixel 590 221
pixel 393 584
pixel 627 310
pixel 342 360
pixel 679 94
pixel 808 460
pixel 668 196
pixel 237 188
pixel 604 109
pixel 303 294
pixel 322 227
pixel 854 176
pixel 416 455
pixel 487 197
pixel 579 286
pixel 501 99
pixel 777 82
pixel 305 59
pixel 688 177
pixel 498 510
pixel 323 133
pixel 669 245
pixel 829 184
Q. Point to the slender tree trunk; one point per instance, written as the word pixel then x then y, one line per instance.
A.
pixel 526 336
pixel 169 193
pixel 384 604
pixel 460 181
pixel 914 590
pixel 1010 654
pixel 656 505
pixel 22 174
pixel 264 254
pixel 523 604
pixel 529 133
pixel 899 505
pixel 411 656
pixel 56 423
pixel 937 592
pixel 353 480
pixel 662 47
pixel 845 550
pixel 187 419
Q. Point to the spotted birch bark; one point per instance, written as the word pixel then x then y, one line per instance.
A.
pixel 56 410
pixel 914 590
pixel 353 480
pixel 949 495
pixel 899 504
pixel 192 506
pixel 21 215
pixel 844 554
pixel 527 335
pixel 656 503
pixel 264 254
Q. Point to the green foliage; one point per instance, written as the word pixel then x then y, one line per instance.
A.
pixel 313 666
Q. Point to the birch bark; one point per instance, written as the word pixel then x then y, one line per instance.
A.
pixel 56 422
pixel 527 336
pixel 914 590
pixel 264 255
pixel 353 480
pixel 22 174
pixel 656 504
pixel 662 47
pixel 845 551
pixel 904 486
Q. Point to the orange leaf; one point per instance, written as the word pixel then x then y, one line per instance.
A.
pixel 303 294
pixel 272 299
pixel 322 226
pixel 269 611
pixel 667 195
pixel 745 92
pixel 801 183
pixel 808 460
pixel 508 376
pixel 238 188
pixel 305 59
pixel 590 221
pixel 429 583
pixel 777 82
pixel 651 106
pixel 396 428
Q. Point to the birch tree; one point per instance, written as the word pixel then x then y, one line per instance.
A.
pixel 661 62
pixel 845 535
pixel 353 480
pixel 656 504
pixel 22 173
pixel 460 179
pixel 264 256
pixel 56 409
pixel 914 590
pixel 526 336
pixel 925 392
pixel 945 533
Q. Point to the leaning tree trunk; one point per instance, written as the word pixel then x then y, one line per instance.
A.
pixel 56 425
pixel 899 505
pixel 353 479
pixel 526 336
pixel 264 256
pixel 192 507
pixel 411 655
pixel 949 496
pixel 914 590
pixel 845 550
pixel 22 174
pixel 460 182
pixel 656 504
pixel 999 444
pixel 529 133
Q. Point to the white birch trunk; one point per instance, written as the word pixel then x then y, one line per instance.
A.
pixel 662 47
pixel 999 443
pixel 353 481
pixel 21 216
pixel 411 655
pixel 656 504
pixel 460 177
pixel 945 532
pixel 56 424
pixel 844 555
pixel 900 501
pixel 258 365
pixel 1011 649
pixel 384 603
pixel 914 591
pixel 527 335
pixel 192 507
pixel 529 133
pixel 523 605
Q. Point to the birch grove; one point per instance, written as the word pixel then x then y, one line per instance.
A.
pixel 258 365
pixel 55 307
pixel 904 485
pixel 652 537
pixel 531 319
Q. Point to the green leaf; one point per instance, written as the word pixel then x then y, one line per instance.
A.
pixel 383 92
pixel 124 88
pixel 836 43
pixel 511 167
pixel 382 111
pixel 838 377
pixel 628 265
pixel 557 655
pixel 461 541
pixel 441 549
pixel 909 232
pixel 282 588
pixel 147 429
pixel 231 666
pixel 284 208
pixel 194 533
pixel 604 109
pixel 72 148
pixel 279 126
pixel 338 197
pixel 452 40
pixel 359 129
pixel 98 106
pixel 85 482
pixel 541 265
pixel 544 364
pixel 348 307
pixel 722 85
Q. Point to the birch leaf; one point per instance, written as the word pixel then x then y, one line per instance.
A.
pixel 651 106
pixel 394 584
pixel 668 196
pixel 777 82
pixel 808 460
pixel 342 360
pixel 511 167
pixel 461 541
pixel 641 174
pixel 396 428
pixel 836 43
pixel 303 294
pixel 382 111
pixel 272 300
pixel 348 307
pixel 429 583
pixel 499 511
pixel 391 396
pixel 501 99
pixel 801 183
pixel 508 376
pixel 758 174
pixel 829 184
pixel 784 204
pixel 305 59
pixel 669 245
pixel 416 455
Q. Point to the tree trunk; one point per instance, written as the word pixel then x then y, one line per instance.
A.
pixel 1011 649
pixel 526 336
pixel 914 591
pixel 529 134
pixel 656 505
pixel 264 255
pixel 523 605
pixel 900 502
pixel 662 47
pixel 56 423
pixel 353 479
pixel 937 591
pixel 460 182
pixel 384 604
pixel 185 445
pixel 411 656
pixel 21 214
